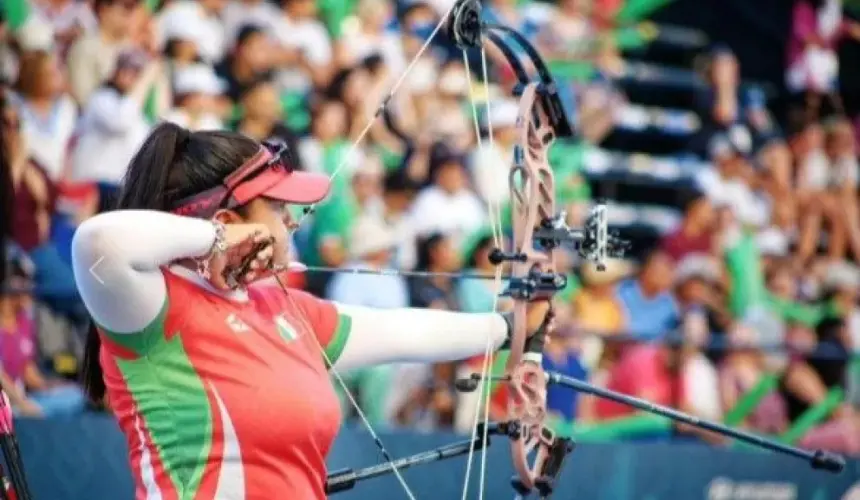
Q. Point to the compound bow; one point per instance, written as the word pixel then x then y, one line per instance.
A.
pixel 538 232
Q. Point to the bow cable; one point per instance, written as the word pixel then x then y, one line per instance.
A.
pixel 495 219
pixel 306 323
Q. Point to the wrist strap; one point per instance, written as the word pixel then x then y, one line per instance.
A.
pixel 219 245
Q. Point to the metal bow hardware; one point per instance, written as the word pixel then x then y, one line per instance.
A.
pixel 539 231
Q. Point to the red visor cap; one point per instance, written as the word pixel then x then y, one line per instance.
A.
pixel 302 188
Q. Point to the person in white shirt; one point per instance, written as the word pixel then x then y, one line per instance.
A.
pixel 196 89
pixel 92 57
pixel 113 125
pixel 726 184
pixel 371 37
pixel 205 13
pixel 239 13
pixel 48 114
pixel 493 160
pixel 298 28
pixel 370 247
pixel 448 205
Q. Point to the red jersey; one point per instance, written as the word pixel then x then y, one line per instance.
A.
pixel 221 399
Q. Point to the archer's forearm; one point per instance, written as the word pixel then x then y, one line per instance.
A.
pixel 417 335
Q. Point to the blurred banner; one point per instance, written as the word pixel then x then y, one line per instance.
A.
pixel 84 459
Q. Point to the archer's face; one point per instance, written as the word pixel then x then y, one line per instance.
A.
pixel 276 217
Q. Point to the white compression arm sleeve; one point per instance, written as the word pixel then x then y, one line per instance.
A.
pixel 417 335
pixel 116 257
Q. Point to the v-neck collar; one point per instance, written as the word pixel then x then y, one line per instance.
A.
pixel 239 295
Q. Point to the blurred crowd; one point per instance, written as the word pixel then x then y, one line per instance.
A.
pixel 746 312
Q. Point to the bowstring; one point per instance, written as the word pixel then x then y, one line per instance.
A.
pixel 347 158
pixel 495 219
pixel 306 325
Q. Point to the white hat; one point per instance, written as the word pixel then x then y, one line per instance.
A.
pixel 697 265
pixel 197 79
pixel 772 242
pixel 502 113
pixel 841 276
pixel 182 27
pixel 454 82
pixel 35 34
pixel 369 235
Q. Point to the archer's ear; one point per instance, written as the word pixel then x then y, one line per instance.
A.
pixel 226 216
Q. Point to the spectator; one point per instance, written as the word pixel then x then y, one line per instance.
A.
pixel 205 14
pixel 47 113
pixel 696 232
pixel 841 148
pixel 371 246
pixel 649 307
pixel 262 117
pixel 69 19
pixel 113 124
pixel 562 355
pixel 182 38
pixel 816 201
pixel 448 205
pixel 731 182
pixel 724 105
pixel 239 13
pixel 813 66
pixel 196 89
pixel 372 37
pixel 34 204
pixel 250 59
pixel 436 254
pixel 493 161
pixel 297 29
pixel 481 295
pixel 92 58
pixel 398 194
pixel 31 393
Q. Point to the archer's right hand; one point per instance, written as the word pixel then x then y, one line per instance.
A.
pixel 243 243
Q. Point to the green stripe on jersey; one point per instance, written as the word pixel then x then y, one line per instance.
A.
pixel 140 342
pixel 173 403
pixel 338 341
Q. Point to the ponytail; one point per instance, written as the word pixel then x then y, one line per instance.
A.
pixel 92 377
pixel 147 179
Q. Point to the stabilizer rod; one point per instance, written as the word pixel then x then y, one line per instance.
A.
pixel 818 459
pixel 346 479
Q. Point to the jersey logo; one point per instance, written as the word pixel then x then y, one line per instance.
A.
pixel 236 324
pixel 286 330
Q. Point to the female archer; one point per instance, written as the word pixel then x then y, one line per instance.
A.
pixel 218 375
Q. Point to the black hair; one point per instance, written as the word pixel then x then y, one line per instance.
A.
pixel 172 164
pixel 397 181
pixel 247 31
pixel 425 248
pixel 481 244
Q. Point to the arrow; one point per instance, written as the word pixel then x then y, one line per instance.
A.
pixel 93 270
